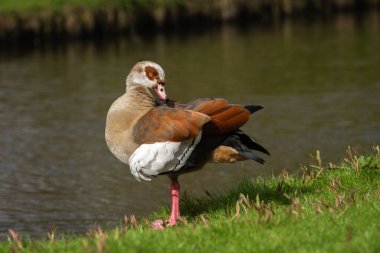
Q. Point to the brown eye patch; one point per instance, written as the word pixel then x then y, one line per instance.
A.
pixel 151 72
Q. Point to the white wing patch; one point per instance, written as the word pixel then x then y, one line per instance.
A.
pixel 152 159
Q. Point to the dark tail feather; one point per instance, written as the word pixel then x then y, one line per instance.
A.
pixel 245 146
pixel 253 108
pixel 252 156
pixel 250 143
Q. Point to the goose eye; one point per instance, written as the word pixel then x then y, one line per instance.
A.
pixel 150 74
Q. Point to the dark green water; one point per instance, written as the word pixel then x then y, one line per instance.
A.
pixel 319 84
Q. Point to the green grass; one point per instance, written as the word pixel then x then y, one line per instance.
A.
pixel 39 5
pixel 332 208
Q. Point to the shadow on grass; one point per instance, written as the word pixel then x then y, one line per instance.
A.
pixel 271 191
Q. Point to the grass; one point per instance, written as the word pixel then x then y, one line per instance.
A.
pixel 332 208
pixel 38 5
pixel 15 6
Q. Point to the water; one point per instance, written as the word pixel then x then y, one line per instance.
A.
pixel 319 84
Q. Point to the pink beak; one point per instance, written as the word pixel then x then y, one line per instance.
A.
pixel 159 88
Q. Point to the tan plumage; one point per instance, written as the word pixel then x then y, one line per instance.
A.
pixel 121 118
pixel 224 154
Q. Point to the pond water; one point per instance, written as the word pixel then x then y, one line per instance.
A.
pixel 319 84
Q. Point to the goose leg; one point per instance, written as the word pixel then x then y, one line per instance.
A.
pixel 174 213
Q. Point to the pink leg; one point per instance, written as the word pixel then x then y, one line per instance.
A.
pixel 174 214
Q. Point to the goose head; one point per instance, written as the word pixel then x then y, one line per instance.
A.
pixel 150 75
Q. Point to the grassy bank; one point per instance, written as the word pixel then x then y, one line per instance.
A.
pixel 284 5
pixel 325 208
pixel 57 20
pixel 9 6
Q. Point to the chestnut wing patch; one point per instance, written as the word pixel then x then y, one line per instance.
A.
pixel 163 124
pixel 225 117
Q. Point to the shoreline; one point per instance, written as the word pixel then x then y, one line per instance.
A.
pixel 74 21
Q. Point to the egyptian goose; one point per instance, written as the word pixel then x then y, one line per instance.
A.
pixel 156 136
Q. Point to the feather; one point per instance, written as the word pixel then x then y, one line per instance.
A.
pixel 253 108
pixel 162 124
pixel 161 157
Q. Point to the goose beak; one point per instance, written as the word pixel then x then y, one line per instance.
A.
pixel 159 88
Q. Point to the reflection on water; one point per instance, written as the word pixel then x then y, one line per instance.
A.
pixel 319 84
